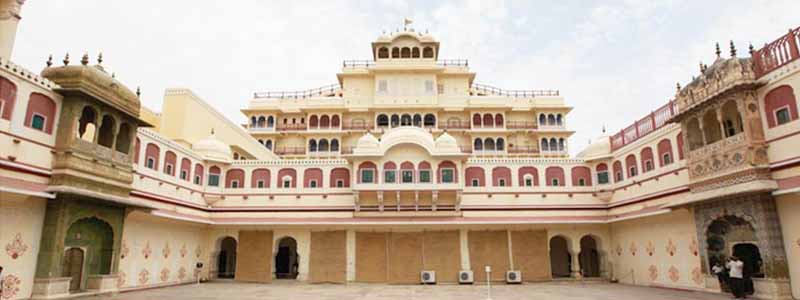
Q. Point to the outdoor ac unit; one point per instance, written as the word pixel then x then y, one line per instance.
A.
pixel 465 277
pixel 427 277
pixel 513 277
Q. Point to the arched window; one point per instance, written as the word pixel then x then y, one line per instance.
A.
pixel 430 120
pixel 334 145
pixel 559 120
pixel 335 121
pixel 562 144
pixel 186 169
pixel 427 52
pixel 312 178
pixel 498 120
pixel 213 176
pixel 312 145
pixel 395 120
pixel 553 144
pixel 554 176
pixel 475 176
pixel 501 176
pixel 630 163
pixel 151 155
pixel 253 121
pixel 447 172
pixel 383 120
pixel 87 124
pixel 488 144
pixel 418 120
pixel 731 119
pixel 545 145
pixel 415 52
pixel 198 174
pixel 288 178
pixel 581 176
pixel 383 52
pixel 105 136
pixel 41 113
pixel 367 172
pixel 169 162
pixel 647 160
pixel 405 52
pixel 488 120
pixel 234 179
pixel 407 172
pixel 268 144
pixel 528 176
pixel 542 119
pixel 478 145
pixel 124 138
pixel 270 122
pixel 500 144
pixel 260 178
pixel 389 172
pixel 405 120
pixel 476 120
pixel 260 141
pixel 323 145
pixel 665 152
pixel 780 106
pixel 340 178
pixel 602 173
pixel 711 127
pixel 261 122
pixel 324 121
pixel 395 52
pixel 313 121
pixel 619 175
pixel 8 97
pixel 424 172
pixel 551 120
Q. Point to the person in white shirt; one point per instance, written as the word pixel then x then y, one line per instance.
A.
pixel 736 267
pixel 722 276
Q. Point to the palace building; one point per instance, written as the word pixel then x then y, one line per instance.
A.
pixel 405 170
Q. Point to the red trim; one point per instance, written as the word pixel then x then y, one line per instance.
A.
pixel 784 136
pixel 774 165
pixel 788 183
pixel 21 184
pixel 44 173
pixel 26 139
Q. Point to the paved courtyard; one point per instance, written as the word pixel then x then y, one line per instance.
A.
pixel 300 291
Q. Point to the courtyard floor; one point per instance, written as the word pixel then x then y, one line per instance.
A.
pixel 291 290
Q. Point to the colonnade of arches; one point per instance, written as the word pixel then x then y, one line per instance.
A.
pixel 286 260
pixel 488 120
pixel 405 52
pixel 262 122
pixel 111 132
pixel 553 145
pixel 551 120
pixel 489 144
pixel 323 121
pixel 395 120
pixel 323 145
pixel 565 263
pixel 714 125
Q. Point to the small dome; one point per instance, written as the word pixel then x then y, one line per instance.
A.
pixel 446 142
pixel 213 149
pixel 601 147
pixel 368 142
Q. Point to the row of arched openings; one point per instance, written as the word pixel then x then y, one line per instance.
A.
pixel 405 52
pixel 267 143
pixel 487 120
pixel 323 121
pixel 108 134
pixel 323 145
pixel 489 144
pixel 262 122
pixel 418 120
pixel 561 257
pixel 646 161
pixel 553 145
pixel 551 119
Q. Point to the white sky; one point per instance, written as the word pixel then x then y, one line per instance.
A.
pixel 614 61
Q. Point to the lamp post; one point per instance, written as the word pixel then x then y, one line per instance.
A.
pixel 488 282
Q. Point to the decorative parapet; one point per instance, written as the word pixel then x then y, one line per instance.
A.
pixel 331 90
pixel 644 126
pixel 483 89
pixel 777 53
pixel 723 76
pixel 32 77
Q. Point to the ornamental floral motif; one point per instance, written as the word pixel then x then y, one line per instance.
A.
pixel 166 251
pixel 147 251
pixel 674 274
pixel 697 275
pixel 650 248
pixel 619 250
pixel 671 248
pixel 184 250
pixel 16 247
pixel 144 277
pixel 164 275
pixel 633 249
pixel 121 278
pixel 693 248
pixel 653 272
pixel 124 250
pixel 181 273
pixel 11 285
pixel 198 251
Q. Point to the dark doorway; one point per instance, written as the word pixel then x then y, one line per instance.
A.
pixel 73 268
pixel 589 257
pixel 287 261
pixel 226 262
pixel 560 258
pixel 751 257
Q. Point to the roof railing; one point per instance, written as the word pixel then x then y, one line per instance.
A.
pixel 363 63
pixel 325 91
pixel 644 126
pixel 778 53
pixel 488 89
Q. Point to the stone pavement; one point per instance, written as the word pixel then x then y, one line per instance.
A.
pixel 291 290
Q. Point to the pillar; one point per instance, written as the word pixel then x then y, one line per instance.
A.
pixel 464 243
pixel 575 251
pixel 9 19
pixel 351 255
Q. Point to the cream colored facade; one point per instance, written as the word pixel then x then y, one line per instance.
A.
pixel 489 176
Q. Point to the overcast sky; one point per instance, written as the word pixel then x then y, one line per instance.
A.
pixel 613 61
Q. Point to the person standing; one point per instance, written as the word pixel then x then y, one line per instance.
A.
pixel 722 276
pixel 735 267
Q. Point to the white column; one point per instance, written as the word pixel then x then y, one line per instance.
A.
pixel 464 250
pixel 351 255
pixel 510 252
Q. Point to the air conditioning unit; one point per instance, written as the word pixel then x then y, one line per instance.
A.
pixel 427 277
pixel 513 277
pixel 465 277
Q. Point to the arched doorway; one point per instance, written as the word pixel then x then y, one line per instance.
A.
pixel 89 251
pixel 560 258
pixel 73 267
pixel 729 236
pixel 589 257
pixel 226 261
pixel 287 261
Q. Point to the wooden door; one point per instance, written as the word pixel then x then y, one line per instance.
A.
pixel 73 267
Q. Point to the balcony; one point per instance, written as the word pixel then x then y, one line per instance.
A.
pixel 455 125
pixel 517 150
pixel 521 125
pixel 290 150
pixel 357 126
pixel 292 127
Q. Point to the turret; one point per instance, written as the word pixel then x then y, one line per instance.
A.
pixel 9 19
